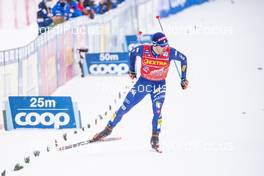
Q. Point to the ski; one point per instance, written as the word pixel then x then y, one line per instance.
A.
pixel 158 150
pixel 82 143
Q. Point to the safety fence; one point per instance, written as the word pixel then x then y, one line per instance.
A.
pixel 171 7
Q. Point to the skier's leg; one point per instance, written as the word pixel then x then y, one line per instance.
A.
pixel 134 96
pixel 157 98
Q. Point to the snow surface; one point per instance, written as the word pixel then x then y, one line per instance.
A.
pixel 213 128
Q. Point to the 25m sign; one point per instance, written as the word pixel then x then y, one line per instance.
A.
pixel 42 112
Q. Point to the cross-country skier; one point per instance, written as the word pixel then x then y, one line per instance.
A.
pixel 155 62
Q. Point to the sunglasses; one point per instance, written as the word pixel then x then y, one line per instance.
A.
pixel 162 45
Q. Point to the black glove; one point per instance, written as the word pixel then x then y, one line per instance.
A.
pixel 132 74
pixel 184 83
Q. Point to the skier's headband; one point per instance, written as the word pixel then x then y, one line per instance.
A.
pixel 163 45
pixel 162 42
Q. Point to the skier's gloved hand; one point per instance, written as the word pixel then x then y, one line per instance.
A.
pixel 184 83
pixel 132 74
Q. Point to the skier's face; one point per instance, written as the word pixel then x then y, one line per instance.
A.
pixel 160 49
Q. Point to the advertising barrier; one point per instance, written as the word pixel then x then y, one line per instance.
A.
pixel 68 67
pixel 60 59
pixel 11 79
pixel 29 82
pixel 106 63
pixel 47 69
pixel 41 112
pixel 2 80
pixel 170 7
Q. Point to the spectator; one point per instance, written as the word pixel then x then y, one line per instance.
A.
pixel 103 6
pixel 74 10
pixel 65 9
pixel 115 3
pixel 61 11
pixel 88 7
pixel 44 16
pixel 81 5
pixel 108 4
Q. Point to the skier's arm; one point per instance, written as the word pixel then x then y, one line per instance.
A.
pixel 176 55
pixel 138 51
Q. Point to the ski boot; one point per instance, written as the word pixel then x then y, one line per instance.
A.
pixel 106 132
pixel 154 142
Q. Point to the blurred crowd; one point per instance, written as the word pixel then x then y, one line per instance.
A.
pixel 51 13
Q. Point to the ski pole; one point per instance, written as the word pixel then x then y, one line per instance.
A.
pixel 158 18
pixel 139 37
